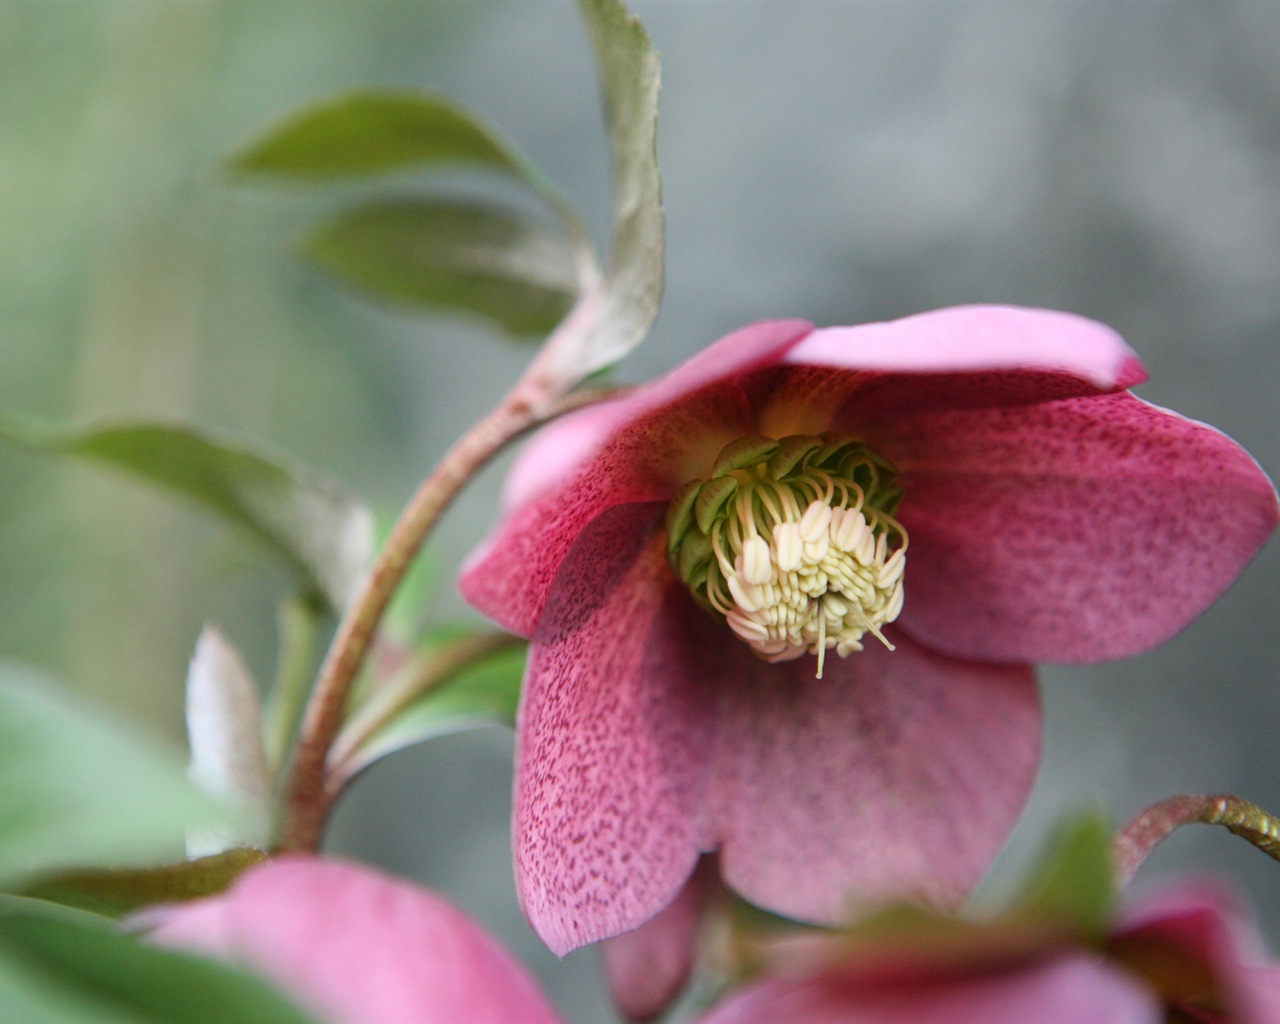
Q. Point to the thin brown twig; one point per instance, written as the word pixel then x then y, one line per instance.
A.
pixel 1134 843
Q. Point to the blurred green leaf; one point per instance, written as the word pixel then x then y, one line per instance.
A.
pixel 125 890
pixel 55 970
pixel 1074 881
pixel 632 290
pixel 78 789
pixel 485 692
pixel 458 256
pixel 317 529
pixel 368 132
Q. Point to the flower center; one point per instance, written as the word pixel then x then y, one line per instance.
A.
pixel 793 543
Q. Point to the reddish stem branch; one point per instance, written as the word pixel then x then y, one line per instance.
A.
pixel 1134 843
pixel 307 803
pixel 307 797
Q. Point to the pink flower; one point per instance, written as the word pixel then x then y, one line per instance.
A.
pixel 357 947
pixel 930 506
pixel 1182 955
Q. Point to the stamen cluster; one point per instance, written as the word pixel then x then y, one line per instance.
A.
pixel 794 543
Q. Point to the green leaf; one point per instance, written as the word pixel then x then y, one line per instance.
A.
pixel 457 256
pixel 485 692
pixel 125 890
pixel 1074 883
pixel 632 290
pixel 77 788
pixel 55 970
pixel 322 533
pixel 370 132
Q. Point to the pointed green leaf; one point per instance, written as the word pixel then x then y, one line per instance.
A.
pixel 125 890
pixel 485 692
pixel 314 527
pixel 371 132
pixel 1074 882
pixel 71 972
pixel 632 289
pixel 77 788
pixel 457 256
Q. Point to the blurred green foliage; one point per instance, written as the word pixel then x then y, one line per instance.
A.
pixel 136 280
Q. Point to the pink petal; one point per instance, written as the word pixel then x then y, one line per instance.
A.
pixel 1072 990
pixel 1072 531
pixel 898 774
pixel 1204 922
pixel 970 338
pixel 649 967
pixel 1261 994
pixel 639 448
pixel 614 740
pixel 359 947
pixel 974 357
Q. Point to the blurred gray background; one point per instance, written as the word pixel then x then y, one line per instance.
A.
pixel 833 160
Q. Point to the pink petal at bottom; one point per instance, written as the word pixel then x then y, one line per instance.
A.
pixel 898 774
pixel 359 947
pixel 1072 990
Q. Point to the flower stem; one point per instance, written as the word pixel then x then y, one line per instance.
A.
pixel 307 803
pixel 306 798
pixel 298 626
pixel 1134 843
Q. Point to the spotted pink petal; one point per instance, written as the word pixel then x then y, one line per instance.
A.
pixel 1074 989
pixel 358 947
pixel 615 735
pixel 897 774
pixel 650 734
pixel 1074 531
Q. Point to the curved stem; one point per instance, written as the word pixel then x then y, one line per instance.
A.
pixel 306 803
pixel 1134 843
pixel 306 798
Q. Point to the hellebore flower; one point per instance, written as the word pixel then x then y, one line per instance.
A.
pixel 357 947
pixel 783 603
pixel 1179 955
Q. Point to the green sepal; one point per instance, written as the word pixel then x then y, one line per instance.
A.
pixel 114 892
pixel 791 451
pixel 680 514
pixel 695 553
pixel 744 452
pixel 711 499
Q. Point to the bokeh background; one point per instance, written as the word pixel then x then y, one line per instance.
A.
pixel 837 161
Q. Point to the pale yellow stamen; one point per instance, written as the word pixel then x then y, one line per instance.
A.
pixel 794 544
